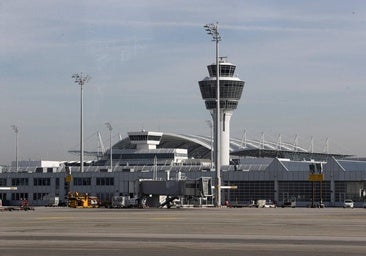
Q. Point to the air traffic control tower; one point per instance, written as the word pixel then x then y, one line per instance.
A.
pixel 231 88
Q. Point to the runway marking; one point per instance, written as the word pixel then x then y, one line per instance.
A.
pixel 55 218
pixel 165 218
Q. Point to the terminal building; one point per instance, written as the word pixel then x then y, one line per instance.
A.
pixel 258 169
pixel 277 174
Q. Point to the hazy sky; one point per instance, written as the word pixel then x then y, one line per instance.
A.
pixel 303 63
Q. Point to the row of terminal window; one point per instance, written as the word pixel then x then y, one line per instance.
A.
pixel 144 156
pixel 144 137
pixel 25 182
pixel 25 196
pixel 103 181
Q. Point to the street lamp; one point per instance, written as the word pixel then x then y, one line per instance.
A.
pixel 16 130
pixel 212 29
pixel 81 79
pixel 109 126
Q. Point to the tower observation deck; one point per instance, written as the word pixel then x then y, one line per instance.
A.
pixel 231 88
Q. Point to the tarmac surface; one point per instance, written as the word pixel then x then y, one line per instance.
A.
pixel 189 231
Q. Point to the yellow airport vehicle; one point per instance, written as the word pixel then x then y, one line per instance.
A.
pixel 79 200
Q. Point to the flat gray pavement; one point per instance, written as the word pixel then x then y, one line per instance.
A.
pixel 195 231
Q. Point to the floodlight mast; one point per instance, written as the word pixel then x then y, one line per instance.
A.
pixel 81 79
pixel 212 29
pixel 16 130
pixel 110 128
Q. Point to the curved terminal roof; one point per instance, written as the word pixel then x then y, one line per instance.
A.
pixel 199 147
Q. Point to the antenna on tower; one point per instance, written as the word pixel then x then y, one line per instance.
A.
pixel 223 58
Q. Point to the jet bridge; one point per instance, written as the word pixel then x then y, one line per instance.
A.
pixel 160 193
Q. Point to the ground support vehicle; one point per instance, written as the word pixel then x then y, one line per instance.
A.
pixel 289 203
pixel 124 202
pixel 270 204
pixel 78 200
pixel 348 203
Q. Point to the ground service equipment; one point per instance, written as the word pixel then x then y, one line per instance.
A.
pixel 78 200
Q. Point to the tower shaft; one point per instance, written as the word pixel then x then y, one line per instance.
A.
pixel 224 135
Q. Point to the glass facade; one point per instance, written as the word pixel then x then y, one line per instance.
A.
pixel 82 181
pixel 349 190
pixel 225 70
pixel 133 156
pixel 41 181
pixel 39 196
pixel 20 182
pixel 3 182
pixel 230 93
pixel 144 137
pixel 229 89
pixel 248 191
pixel 105 181
pixel 19 196
pixel 303 191
pixel 223 104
